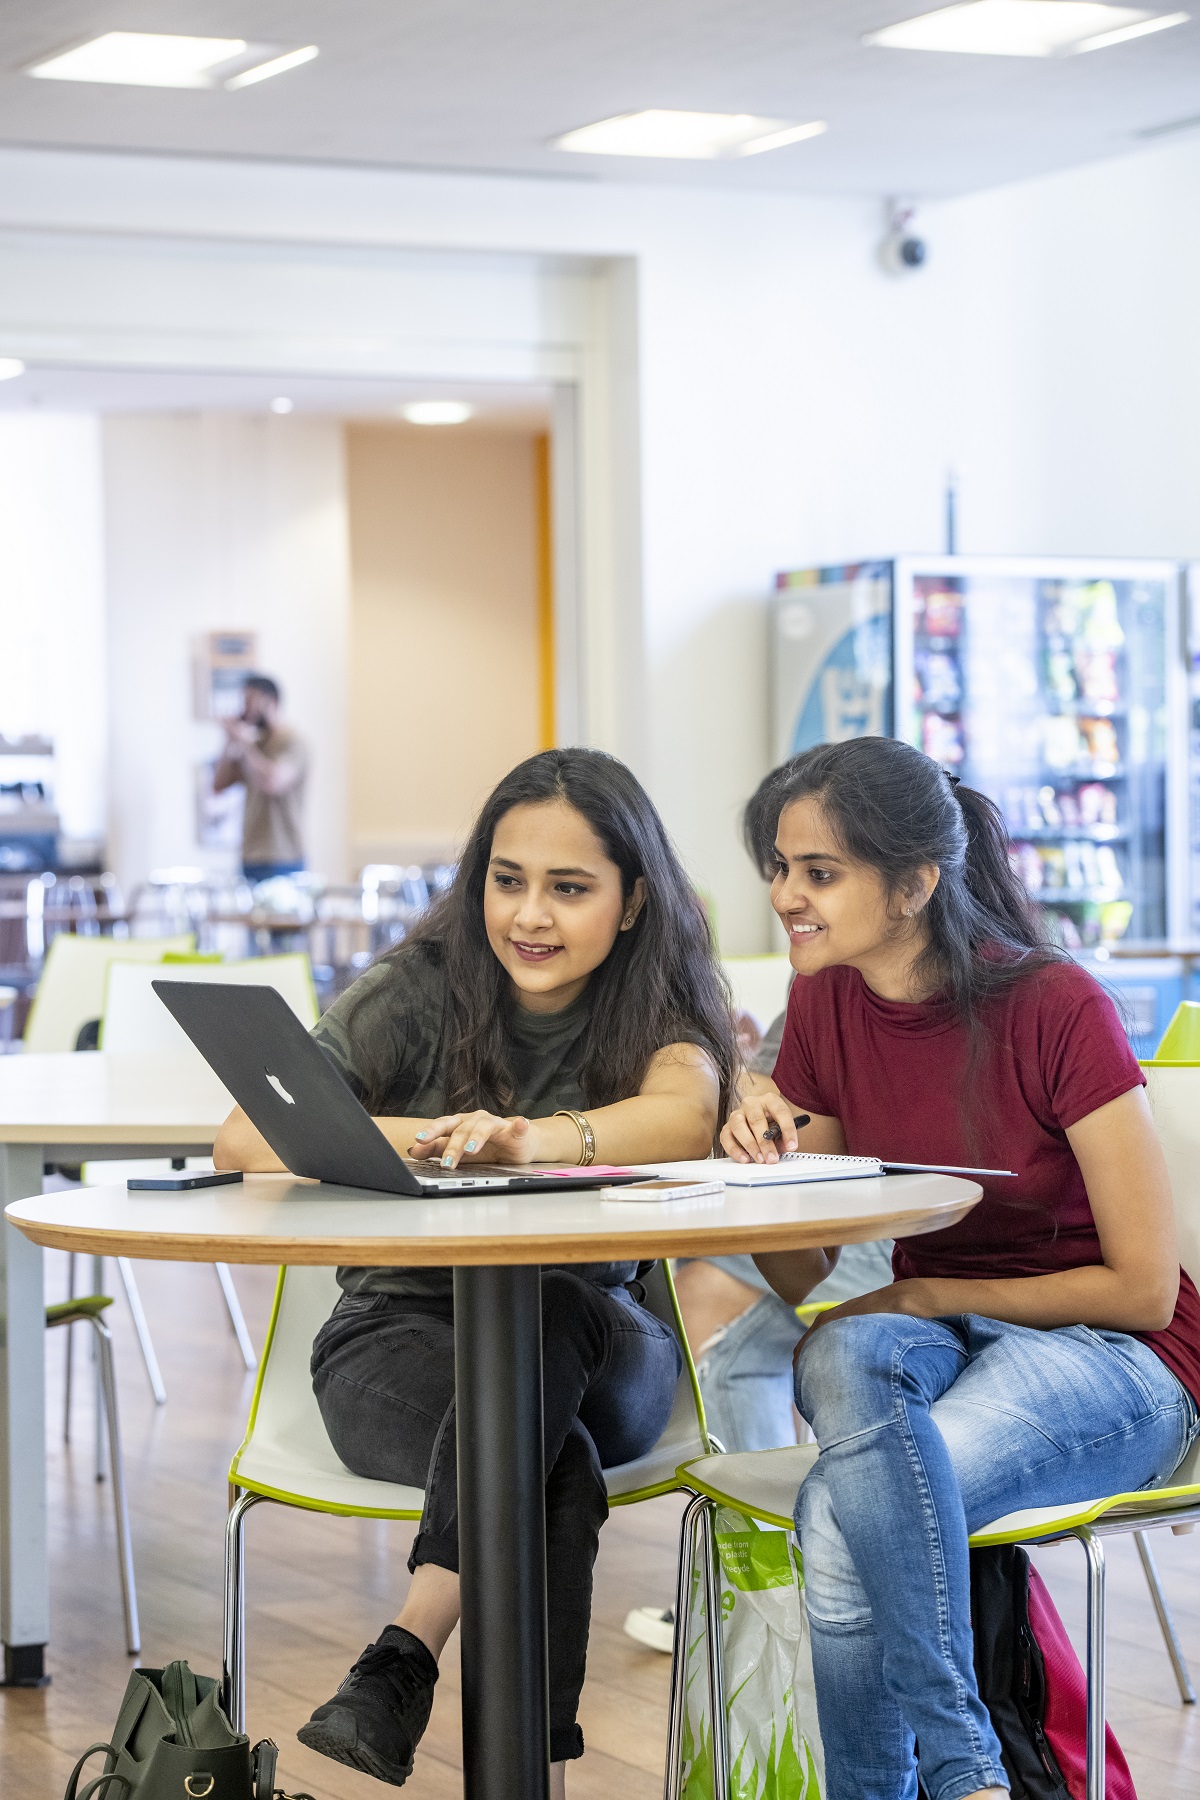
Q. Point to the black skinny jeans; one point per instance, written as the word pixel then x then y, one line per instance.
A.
pixel 383 1373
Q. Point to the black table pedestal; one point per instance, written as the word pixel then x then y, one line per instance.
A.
pixel 502 1532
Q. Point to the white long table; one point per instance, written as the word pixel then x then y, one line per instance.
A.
pixel 65 1109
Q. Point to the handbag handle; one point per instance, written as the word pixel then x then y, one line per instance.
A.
pixel 93 1787
pixel 77 1771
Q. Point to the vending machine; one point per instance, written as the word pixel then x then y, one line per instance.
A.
pixel 1056 686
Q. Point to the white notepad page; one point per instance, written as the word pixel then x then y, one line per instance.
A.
pixel 793 1166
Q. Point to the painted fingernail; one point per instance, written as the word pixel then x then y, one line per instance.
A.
pixel 447 1162
pixel 471 1145
pixel 421 1136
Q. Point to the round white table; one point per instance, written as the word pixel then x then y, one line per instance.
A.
pixel 495 1244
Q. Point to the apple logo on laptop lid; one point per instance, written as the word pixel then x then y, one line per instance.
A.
pixel 279 1087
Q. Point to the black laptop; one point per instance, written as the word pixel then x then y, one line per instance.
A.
pixel 284 1082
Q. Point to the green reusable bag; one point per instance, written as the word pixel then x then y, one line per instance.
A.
pixel 771 1734
pixel 172 1741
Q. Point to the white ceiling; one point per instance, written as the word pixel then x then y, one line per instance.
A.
pixel 484 84
pixel 498 406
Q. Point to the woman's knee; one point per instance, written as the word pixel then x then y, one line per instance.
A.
pixel 848 1369
pixel 833 1593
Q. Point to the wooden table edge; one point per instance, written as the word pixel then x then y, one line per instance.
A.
pixel 466 1252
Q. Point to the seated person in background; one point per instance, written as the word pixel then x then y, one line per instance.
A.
pixel 1044 1350
pixel 569 966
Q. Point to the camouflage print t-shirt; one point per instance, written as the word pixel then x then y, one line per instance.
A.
pixel 402 1008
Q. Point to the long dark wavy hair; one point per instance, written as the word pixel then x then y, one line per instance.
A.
pixel 894 809
pixel 659 984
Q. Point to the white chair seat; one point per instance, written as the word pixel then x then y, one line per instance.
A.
pixel 764 1483
pixel 319 1480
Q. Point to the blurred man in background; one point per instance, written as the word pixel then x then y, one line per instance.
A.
pixel 270 760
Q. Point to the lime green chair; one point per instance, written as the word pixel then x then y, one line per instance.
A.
pixel 286 1455
pixel 764 1484
pixel 1181 1040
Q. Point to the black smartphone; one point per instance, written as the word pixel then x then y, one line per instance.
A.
pixel 176 1184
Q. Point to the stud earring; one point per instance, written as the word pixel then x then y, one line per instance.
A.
pixel 628 920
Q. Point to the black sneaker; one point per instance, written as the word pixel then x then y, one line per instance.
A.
pixel 375 1720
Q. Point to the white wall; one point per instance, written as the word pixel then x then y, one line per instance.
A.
pixel 756 393
pixel 52 605
pixel 213 521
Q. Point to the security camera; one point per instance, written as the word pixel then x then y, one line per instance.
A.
pixel 902 251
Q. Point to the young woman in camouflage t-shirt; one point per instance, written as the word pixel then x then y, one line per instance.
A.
pixel 568 971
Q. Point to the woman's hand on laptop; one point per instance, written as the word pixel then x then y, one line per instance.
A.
pixel 476 1137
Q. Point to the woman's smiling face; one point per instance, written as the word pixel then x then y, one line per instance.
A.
pixel 836 910
pixel 553 904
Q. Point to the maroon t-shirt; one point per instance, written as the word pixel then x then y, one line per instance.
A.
pixel 894 1074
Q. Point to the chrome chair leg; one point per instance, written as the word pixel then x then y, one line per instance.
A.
pixel 716 1661
pixel 70 1336
pixel 1166 1623
pixel 1093 1549
pixel 236 1316
pixel 108 1389
pixel 688 1528
pixel 134 1298
pixel 233 1664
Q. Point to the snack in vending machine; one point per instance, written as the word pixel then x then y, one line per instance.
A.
pixel 1099 622
pixel 1062 745
pixel 943 614
pixel 1060 675
pixel 1068 806
pixel 1097 674
pixel 1074 864
pixel 1048 806
pixel 1027 866
pixel 1114 920
pixel 942 739
pixel 1054 865
pixel 1102 749
pixel 1108 869
pixel 940 681
pixel 1097 804
pixel 1066 931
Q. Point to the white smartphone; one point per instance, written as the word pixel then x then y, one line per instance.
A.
pixel 663 1190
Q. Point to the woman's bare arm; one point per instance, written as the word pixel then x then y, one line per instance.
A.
pixel 1134 1287
pixel 673 1117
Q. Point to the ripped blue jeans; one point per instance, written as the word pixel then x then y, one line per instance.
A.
pixel 929 1429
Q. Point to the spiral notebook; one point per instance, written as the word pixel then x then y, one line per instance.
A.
pixel 801 1165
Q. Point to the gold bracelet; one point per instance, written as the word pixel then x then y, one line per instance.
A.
pixel 587 1135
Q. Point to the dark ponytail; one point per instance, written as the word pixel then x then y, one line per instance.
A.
pixel 894 809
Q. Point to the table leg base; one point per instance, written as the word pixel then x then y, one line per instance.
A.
pixel 25 1666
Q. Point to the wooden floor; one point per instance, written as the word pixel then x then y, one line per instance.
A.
pixel 319 1589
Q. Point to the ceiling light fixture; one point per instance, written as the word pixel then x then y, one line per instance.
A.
pixel 1125 33
pixel 278 65
pixel 160 59
pixel 438 412
pixel 695 136
pixel 282 404
pixel 1021 27
pixel 10 367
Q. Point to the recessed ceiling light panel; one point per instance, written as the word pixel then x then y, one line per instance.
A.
pixel 1021 27
pixel 438 412
pixel 160 59
pixel 696 136
pixel 11 367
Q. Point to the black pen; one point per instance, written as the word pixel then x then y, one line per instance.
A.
pixel 772 1133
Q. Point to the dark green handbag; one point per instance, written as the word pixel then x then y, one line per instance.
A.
pixel 172 1741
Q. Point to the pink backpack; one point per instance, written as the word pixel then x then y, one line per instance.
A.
pixel 1065 1721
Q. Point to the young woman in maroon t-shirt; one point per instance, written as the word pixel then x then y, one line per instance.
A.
pixel 1043 1351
